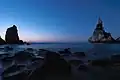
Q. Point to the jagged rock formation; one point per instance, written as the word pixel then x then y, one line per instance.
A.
pixel 99 34
pixel 12 37
pixel 2 41
pixel 118 39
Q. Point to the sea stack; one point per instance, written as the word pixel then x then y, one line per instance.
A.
pixel 100 35
pixel 12 37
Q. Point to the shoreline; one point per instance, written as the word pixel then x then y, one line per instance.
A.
pixel 77 74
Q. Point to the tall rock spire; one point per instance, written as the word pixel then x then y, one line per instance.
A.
pixel 99 25
pixel 99 34
pixel 11 36
pixel 99 21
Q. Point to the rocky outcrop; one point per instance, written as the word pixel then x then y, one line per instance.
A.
pixel 79 54
pixel 101 62
pixel 15 72
pixel 100 35
pixel 22 56
pixel 12 37
pixel 2 41
pixel 65 52
pixel 76 62
pixel 82 68
pixel 118 39
pixel 54 66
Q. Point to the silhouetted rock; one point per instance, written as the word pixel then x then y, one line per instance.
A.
pixel 14 73
pixel 115 59
pixel 66 52
pixel 54 66
pixel 82 68
pixel 101 62
pixel 43 50
pixel 23 57
pixel 30 49
pixel 79 54
pixel 76 62
pixel 2 41
pixel 118 39
pixel 20 42
pixel 7 58
pixel 19 76
pixel 12 37
pixel 4 55
pixel 26 43
pixel 37 59
pixel 99 34
pixel 7 61
pixel 13 68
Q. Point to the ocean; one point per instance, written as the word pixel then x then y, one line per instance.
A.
pixel 92 51
pixel 100 50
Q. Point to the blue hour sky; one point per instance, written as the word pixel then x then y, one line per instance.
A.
pixel 59 20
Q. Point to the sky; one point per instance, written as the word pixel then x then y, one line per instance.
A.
pixel 59 20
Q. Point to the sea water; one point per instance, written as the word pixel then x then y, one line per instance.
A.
pixel 100 50
pixel 92 51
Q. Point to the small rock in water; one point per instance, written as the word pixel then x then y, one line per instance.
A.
pixel 66 51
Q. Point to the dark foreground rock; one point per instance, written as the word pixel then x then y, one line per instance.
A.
pixel 14 73
pixel 54 66
pixel 76 62
pixel 11 36
pixel 79 54
pixel 115 60
pixel 82 68
pixel 101 62
pixel 30 49
pixel 19 76
pixel 65 52
pixel 23 56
